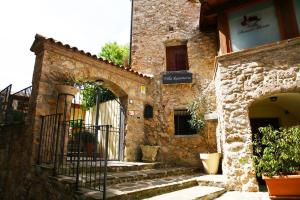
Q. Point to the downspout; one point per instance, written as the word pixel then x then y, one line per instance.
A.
pixel 130 44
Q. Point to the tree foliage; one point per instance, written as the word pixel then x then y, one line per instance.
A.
pixel 89 93
pixel 116 53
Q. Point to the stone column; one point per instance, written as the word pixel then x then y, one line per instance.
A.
pixel 236 134
pixel 134 131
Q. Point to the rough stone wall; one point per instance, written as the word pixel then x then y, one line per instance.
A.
pixel 156 24
pixel 242 78
pixel 18 179
pixel 54 59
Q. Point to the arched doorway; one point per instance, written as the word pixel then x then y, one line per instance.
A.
pixel 92 110
pixel 278 110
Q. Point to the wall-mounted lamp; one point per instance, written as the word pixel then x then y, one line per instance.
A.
pixel 99 82
pixel 273 99
pixel 286 112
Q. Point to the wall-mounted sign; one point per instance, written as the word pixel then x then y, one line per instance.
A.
pixel 253 25
pixel 177 77
pixel 143 89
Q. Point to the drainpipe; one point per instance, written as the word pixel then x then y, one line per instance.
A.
pixel 130 44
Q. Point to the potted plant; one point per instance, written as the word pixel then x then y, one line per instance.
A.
pixel 65 83
pixel 87 140
pixel 277 159
pixel 197 109
pixel 149 152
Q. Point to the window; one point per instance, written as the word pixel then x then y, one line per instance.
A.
pixel 297 12
pixel 253 26
pixel 177 58
pixel 252 23
pixel 181 123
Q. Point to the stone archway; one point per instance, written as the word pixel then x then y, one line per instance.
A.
pixel 241 79
pixel 276 110
pixel 52 57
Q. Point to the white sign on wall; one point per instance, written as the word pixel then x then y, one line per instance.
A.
pixel 253 26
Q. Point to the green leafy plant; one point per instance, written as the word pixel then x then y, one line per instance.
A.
pixel 278 151
pixel 85 137
pixel 117 54
pixel 63 78
pixel 89 93
pixel 197 109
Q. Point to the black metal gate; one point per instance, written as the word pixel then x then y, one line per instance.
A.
pixel 14 107
pixel 4 103
pixel 78 141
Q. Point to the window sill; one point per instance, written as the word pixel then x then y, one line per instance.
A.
pixel 187 136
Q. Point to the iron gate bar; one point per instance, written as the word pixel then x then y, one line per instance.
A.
pixel 41 139
pixel 105 161
pixel 56 143
pixel 49 127
pixel 78 160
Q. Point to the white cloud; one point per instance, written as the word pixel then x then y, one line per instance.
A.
pixel 84 24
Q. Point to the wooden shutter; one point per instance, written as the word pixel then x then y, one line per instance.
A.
pixel 177 58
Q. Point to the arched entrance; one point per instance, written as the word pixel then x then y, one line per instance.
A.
pixel 277 110
pixel 96 105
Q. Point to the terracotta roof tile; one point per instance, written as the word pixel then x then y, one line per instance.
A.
pixel 75 49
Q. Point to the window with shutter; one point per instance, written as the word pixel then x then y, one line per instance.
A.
pixel 176 58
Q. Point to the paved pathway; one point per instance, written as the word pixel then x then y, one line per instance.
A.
pixel 244 196
pixel 192 193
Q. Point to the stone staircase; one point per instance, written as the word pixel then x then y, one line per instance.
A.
pixel 154 181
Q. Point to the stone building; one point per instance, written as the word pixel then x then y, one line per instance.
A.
pixel 242 56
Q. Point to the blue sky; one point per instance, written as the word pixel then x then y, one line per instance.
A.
pixel 87 24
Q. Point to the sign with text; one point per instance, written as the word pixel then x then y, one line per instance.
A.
pixel 177 77
pixel 253 25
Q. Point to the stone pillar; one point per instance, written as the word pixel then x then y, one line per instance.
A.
pixel 236 137
pixel 134 131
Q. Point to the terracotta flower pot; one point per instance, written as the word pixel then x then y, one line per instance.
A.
pixel 284 187
pixel 89 148
pixel 210 162
pixel 149 153
pixel 67 89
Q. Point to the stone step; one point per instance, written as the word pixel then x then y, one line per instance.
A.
pixel 131 176
pixel 144 189
pixel 196 192
pixel 212 180
pixel 113 166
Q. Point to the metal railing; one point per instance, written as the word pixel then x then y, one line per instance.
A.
pixel 49 133
pixel 19 101
pixel 14 107
pixel 76 149
pixel 4 102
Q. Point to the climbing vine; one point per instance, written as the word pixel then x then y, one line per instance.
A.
pixel 197 109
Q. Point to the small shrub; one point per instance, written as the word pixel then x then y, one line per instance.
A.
pixel 278 151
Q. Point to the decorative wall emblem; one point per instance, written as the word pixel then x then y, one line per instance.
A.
pixel 250 21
